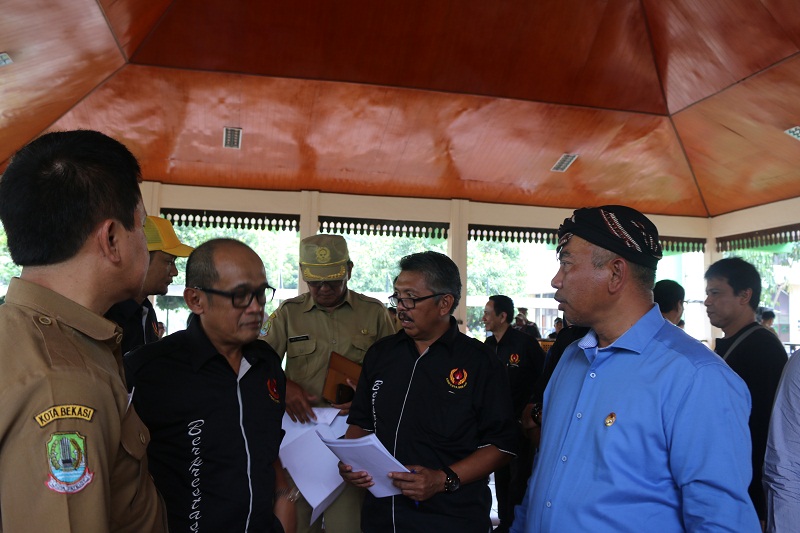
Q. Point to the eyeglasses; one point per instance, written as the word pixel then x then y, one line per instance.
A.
pixel 332 284
pixel 410 303
pixel 242 298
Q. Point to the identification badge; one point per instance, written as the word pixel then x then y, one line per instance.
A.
pixel 299 338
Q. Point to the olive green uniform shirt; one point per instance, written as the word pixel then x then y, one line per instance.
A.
pixel 72 453
pixel 307 335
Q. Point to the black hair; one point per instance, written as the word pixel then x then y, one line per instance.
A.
pixel 440 273
pixel 59 188
pixel 668 294
pixel 503 304
pixel 740 275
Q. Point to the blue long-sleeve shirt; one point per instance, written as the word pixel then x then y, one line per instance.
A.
pixel 648 434
pixel 782 461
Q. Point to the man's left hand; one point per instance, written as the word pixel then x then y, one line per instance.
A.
pixel 419 484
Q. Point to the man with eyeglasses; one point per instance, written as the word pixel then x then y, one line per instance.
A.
pixel 213 398
pixel 439 402
pixel 328 318
pixel 136 316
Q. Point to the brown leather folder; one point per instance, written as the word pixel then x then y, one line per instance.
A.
pixel 340 368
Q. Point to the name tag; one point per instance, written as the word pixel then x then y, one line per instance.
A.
pixel 298 338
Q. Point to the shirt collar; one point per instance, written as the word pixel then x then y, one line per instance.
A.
pixel 448 338
pixel 203 350
pixel 309 304
pixel 52 304
pixel 634 340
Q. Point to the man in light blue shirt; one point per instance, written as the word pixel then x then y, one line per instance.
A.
pixel 643 428
pixel 782 461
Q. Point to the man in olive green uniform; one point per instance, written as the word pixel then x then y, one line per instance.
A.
pixel 307 328
pixel 72 455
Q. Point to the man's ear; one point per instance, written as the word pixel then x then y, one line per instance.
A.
pixel 193 300
pixel 620 271
pixel 107 236
pixel 745 295
pixel 445 304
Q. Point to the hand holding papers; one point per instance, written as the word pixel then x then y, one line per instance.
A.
pixel 367 454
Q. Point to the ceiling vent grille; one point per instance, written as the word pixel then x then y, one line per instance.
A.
pixel 232 138
pixel 564 162
pixel 794 132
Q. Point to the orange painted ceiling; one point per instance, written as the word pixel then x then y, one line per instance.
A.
pixel 675 107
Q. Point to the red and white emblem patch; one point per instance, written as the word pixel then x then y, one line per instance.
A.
pixel 457 378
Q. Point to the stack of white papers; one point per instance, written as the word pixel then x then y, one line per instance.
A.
pixel 368 454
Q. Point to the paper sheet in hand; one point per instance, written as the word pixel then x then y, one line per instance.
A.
pixel 314 470
pixel 367 454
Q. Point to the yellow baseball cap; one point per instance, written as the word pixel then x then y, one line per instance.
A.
pixel 161 237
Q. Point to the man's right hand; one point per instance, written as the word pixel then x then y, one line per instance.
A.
pixel 298 403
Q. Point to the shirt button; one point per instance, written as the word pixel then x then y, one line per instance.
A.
pixel 119 339
pixel 333 342
pixel 563 458
pixel 549 504
pixel 592 375
pixel 141 438
pixel 579 415
pixel 44 320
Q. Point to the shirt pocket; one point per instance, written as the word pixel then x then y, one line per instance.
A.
pixel 449 416
pixel 301 363
pixel 134 435
pixel 361 343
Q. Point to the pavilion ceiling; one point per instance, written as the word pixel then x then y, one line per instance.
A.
pixel 674 106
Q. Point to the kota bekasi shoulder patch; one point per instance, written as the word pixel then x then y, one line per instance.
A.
pixel 265 327
pixel 58 412
pixel 67 460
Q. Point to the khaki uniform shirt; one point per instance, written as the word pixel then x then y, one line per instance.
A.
pixel 72 453
pixel 307 335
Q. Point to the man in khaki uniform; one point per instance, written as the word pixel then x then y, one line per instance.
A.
pixel 307 328
pixel 73 449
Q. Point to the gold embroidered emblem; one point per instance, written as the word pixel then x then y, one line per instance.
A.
pixel 323 255
pixel 610 419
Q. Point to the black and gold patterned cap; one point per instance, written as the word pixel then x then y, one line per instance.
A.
pixel 618 228
pixel 324 258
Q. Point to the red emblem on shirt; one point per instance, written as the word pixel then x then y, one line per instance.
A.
pixel 457 378
pixel 513 359
pixel 272 386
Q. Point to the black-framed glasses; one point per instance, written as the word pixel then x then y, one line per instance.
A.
pixel 242 298
pixel 410 303
pixel 332 284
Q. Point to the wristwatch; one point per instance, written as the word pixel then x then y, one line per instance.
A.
pixel 536 414
pixel 452 482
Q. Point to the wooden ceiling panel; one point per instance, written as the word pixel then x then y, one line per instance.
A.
pixel 513 49
pixel 352 138
pixel 132 20
pixel 61 51
pixel 704 46
pixel 736 143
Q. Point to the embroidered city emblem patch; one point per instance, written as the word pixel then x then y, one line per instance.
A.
pixel 457 378
pixel 66 457
pixel 265 327
pixel 513 359
pixel 59 412
pixel 323 255
pixel 272 387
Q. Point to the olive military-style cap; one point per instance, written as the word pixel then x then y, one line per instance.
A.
pixel 324 258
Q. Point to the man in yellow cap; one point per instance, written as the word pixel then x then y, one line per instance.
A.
pixel 307 328
pixel 136 316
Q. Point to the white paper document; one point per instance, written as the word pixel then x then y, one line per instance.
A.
pixel 368 454
pixel 314 469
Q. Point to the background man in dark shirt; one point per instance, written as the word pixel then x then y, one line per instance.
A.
pixel 524 360
pixel 136 316
pixel 733 289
